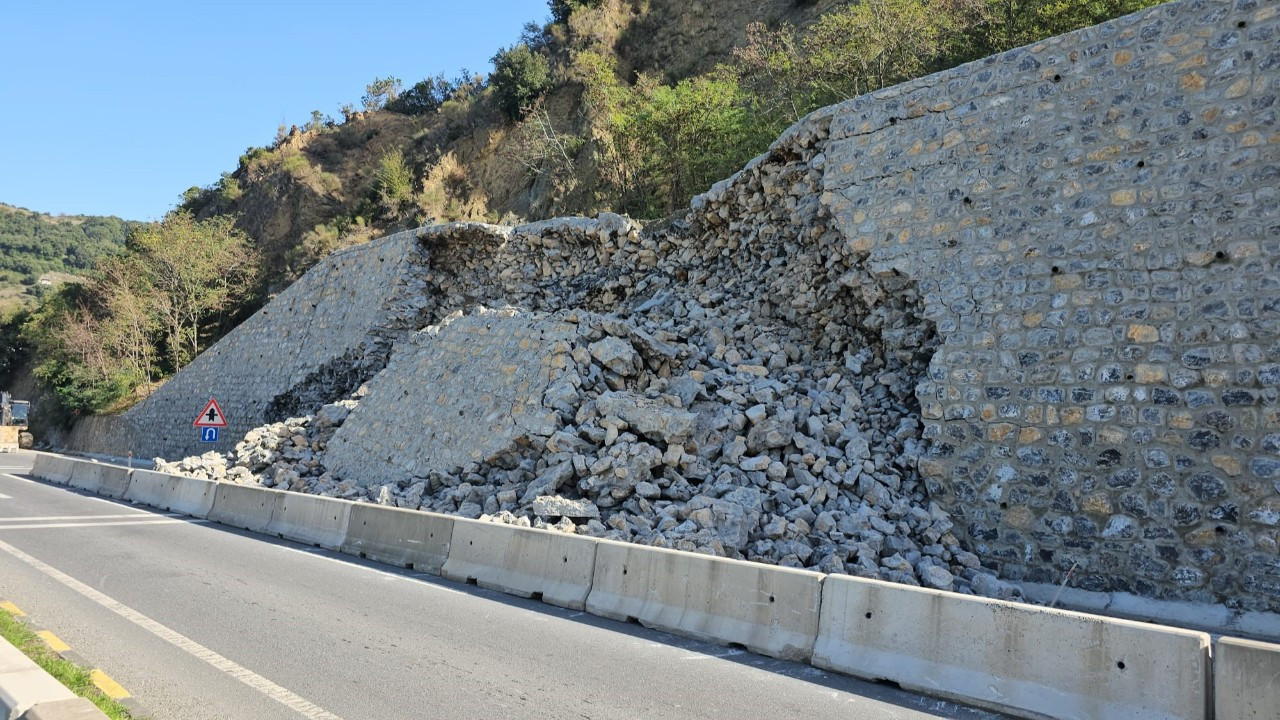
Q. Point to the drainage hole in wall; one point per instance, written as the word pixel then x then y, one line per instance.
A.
pixel 1057 78
pixel 1129 378
pixel 1220 255
pixel 1242 24
pixel 738 646
pixel 566 558
pixel 633 620
pixel 772 598
pixel 893 121
pixel 1142 163
pixel 624 571
pixel 472 581
pixel 1004 506
pixel 890 683
pixel 868 614
pixel 1055 269
pixel 1220 530
pixel 536 596
pixel 968 201
pixel 363 556
pixel 1120 664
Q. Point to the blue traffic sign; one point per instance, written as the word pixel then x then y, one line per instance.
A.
pixel 209 434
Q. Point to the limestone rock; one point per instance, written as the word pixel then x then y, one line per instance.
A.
pixel 650 418
pixel 556 506
pixel 617 355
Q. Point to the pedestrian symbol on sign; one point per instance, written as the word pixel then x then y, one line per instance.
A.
pixel 209 434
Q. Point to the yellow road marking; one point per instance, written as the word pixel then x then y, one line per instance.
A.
pixel 109 687
pixel 11 609
pixel 53 641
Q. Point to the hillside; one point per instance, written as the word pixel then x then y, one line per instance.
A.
pixel 38 250
pixel 917 340
pixel 623 106
pixel 323 185
pixel 630 106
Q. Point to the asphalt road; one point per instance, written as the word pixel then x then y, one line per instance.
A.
pixel 203 622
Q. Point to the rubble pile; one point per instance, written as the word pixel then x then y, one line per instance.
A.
pixel 739 385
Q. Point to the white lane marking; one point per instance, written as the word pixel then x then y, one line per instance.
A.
pixel 173 637
pixel 116 503
pixel 416 577
pixel 5 497
pixel 42 526
pixel 83 517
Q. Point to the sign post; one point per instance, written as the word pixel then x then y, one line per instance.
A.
pixel 210 420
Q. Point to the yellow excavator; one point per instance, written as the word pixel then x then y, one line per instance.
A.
pixel 13 424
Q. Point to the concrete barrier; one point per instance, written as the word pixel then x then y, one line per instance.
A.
pixel 311 519
pixel 109 480
pixel 407 538
pixel 520 561
pixel 244 506
pixel 766 609
pixel 54 468
pixel 1024 659
pixel 77 709
pixel 186 495
pixel 1246 680
pixel 24 685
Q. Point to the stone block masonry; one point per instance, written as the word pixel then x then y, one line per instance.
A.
pixel 325 334
pixel 454 394
pixel 1094 224
pixel 1021 316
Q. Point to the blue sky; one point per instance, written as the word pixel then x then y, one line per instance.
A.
pixel 117 108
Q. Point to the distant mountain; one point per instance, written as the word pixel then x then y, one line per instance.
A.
pixel 37 250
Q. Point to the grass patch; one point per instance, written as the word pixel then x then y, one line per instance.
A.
pixel 68 673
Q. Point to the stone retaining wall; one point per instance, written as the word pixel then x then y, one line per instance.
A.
pixel 1047 284
pixel 1094 224
pixel 324 335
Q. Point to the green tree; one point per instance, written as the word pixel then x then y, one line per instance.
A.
pixel 426 96
pixel 394 182
pixel 1013 23
pixel 664 143
pixel 851 51
pixel 520 76
pixel 380 92
pixel 67 336
pixel 13 350
pixel 198 271
pixel 562 9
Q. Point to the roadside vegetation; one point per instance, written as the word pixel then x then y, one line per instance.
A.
pixel 138 316
pixel 35 247
pixel 74 677
pixel 567 123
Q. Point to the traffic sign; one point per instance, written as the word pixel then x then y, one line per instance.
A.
pixel 211 416
pixel 209 434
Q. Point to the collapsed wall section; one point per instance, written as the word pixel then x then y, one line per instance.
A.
pixel 457 393
pixel 1035 296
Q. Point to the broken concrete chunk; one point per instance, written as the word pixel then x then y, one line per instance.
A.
pixel 617 355
pixel 555 506
pixel 654 419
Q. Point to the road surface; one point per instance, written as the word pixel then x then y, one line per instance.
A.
pixel 203 622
